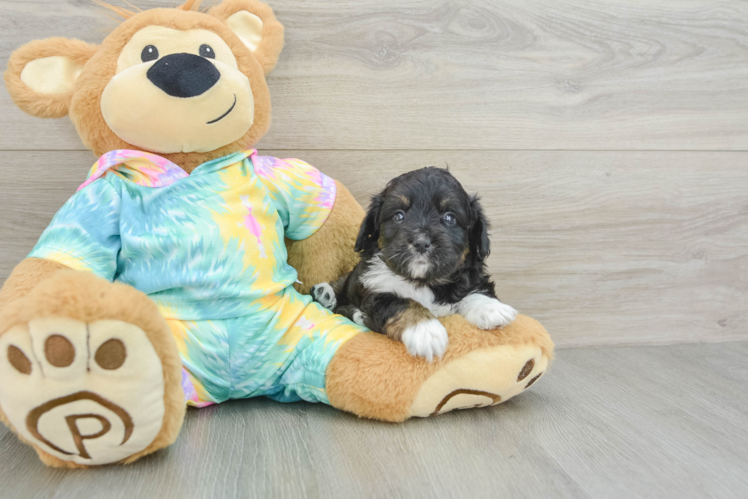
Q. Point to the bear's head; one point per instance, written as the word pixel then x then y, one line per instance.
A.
pixel 187 85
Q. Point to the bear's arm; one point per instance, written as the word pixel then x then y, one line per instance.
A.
pixel 328 253
pixel 83 235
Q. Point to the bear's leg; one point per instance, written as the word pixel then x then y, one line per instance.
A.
pixel 374 377
pixel 294 367
pixel 205 354
pixel 89 372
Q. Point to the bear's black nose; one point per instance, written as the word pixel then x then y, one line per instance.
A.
pixel 183 75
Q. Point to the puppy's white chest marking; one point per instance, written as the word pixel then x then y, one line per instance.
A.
pixel 380 278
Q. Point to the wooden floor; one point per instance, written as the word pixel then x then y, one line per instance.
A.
pixel 609 141
pixel 607 422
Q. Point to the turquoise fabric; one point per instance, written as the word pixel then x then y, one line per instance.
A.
pixel 209 249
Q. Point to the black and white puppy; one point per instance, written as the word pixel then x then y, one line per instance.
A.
pixel 423 247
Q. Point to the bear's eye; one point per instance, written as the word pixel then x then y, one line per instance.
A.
pixel 449 218
pixel 150 52
pixel 207 51
pixel 399 216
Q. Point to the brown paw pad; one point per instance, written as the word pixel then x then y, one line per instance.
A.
pixel 526 370
pixel 111 354
pixel 483 377
pixel 59 351
pixel 85 393
pixel 492 400
pixel 18 360
pixel 532 380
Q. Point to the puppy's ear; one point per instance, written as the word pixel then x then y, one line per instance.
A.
pixel 369 232
pixel 480 245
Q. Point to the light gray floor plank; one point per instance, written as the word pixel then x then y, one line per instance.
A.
pixel 255 448
pixel 483 74
pixel 607 422
pixel 467 454
pixel 605 248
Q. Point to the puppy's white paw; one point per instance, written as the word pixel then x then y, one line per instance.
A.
pixel 325 296
pixel 359 317
pixel 426 339
pixel 485 312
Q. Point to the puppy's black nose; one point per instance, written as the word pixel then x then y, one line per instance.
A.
pixel 422 244
pixel 183 75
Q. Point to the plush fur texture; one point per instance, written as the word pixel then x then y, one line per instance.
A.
pixel 85 297
pixel 34 103
pixel 270 47
pixel 370 375
pixel 85 111
pixel 24 277
pixel 84 106
pixel 328 253
pixel 375 377
pixel 39 288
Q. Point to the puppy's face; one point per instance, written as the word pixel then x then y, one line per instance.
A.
pixel 425 225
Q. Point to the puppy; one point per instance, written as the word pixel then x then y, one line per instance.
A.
pixel 423 247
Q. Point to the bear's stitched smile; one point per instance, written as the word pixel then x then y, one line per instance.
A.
pixel 226 113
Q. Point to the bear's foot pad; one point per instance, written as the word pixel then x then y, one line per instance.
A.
pixel 88 393
pixel 484 377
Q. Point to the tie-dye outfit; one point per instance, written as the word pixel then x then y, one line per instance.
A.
pixel 208 248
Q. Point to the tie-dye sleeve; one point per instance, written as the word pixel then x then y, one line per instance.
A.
pixel 303 195
pixel 84 234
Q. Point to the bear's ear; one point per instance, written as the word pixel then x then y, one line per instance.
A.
pixel 255 24
pixel 41 75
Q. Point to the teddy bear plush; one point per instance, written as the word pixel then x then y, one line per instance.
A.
pixel 178 272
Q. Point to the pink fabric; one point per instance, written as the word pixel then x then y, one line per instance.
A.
pixel 190 394
pixel 151 171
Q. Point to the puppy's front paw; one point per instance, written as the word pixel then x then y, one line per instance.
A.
pixel 426 339
pixel 485 312
pixel 324 295
pixel 359 317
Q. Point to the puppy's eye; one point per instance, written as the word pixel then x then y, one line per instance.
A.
pixel 449 219
pixel 207 51
pixel 399 216
pixel 150 52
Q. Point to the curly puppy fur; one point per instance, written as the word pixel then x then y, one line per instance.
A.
pixel 423 245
